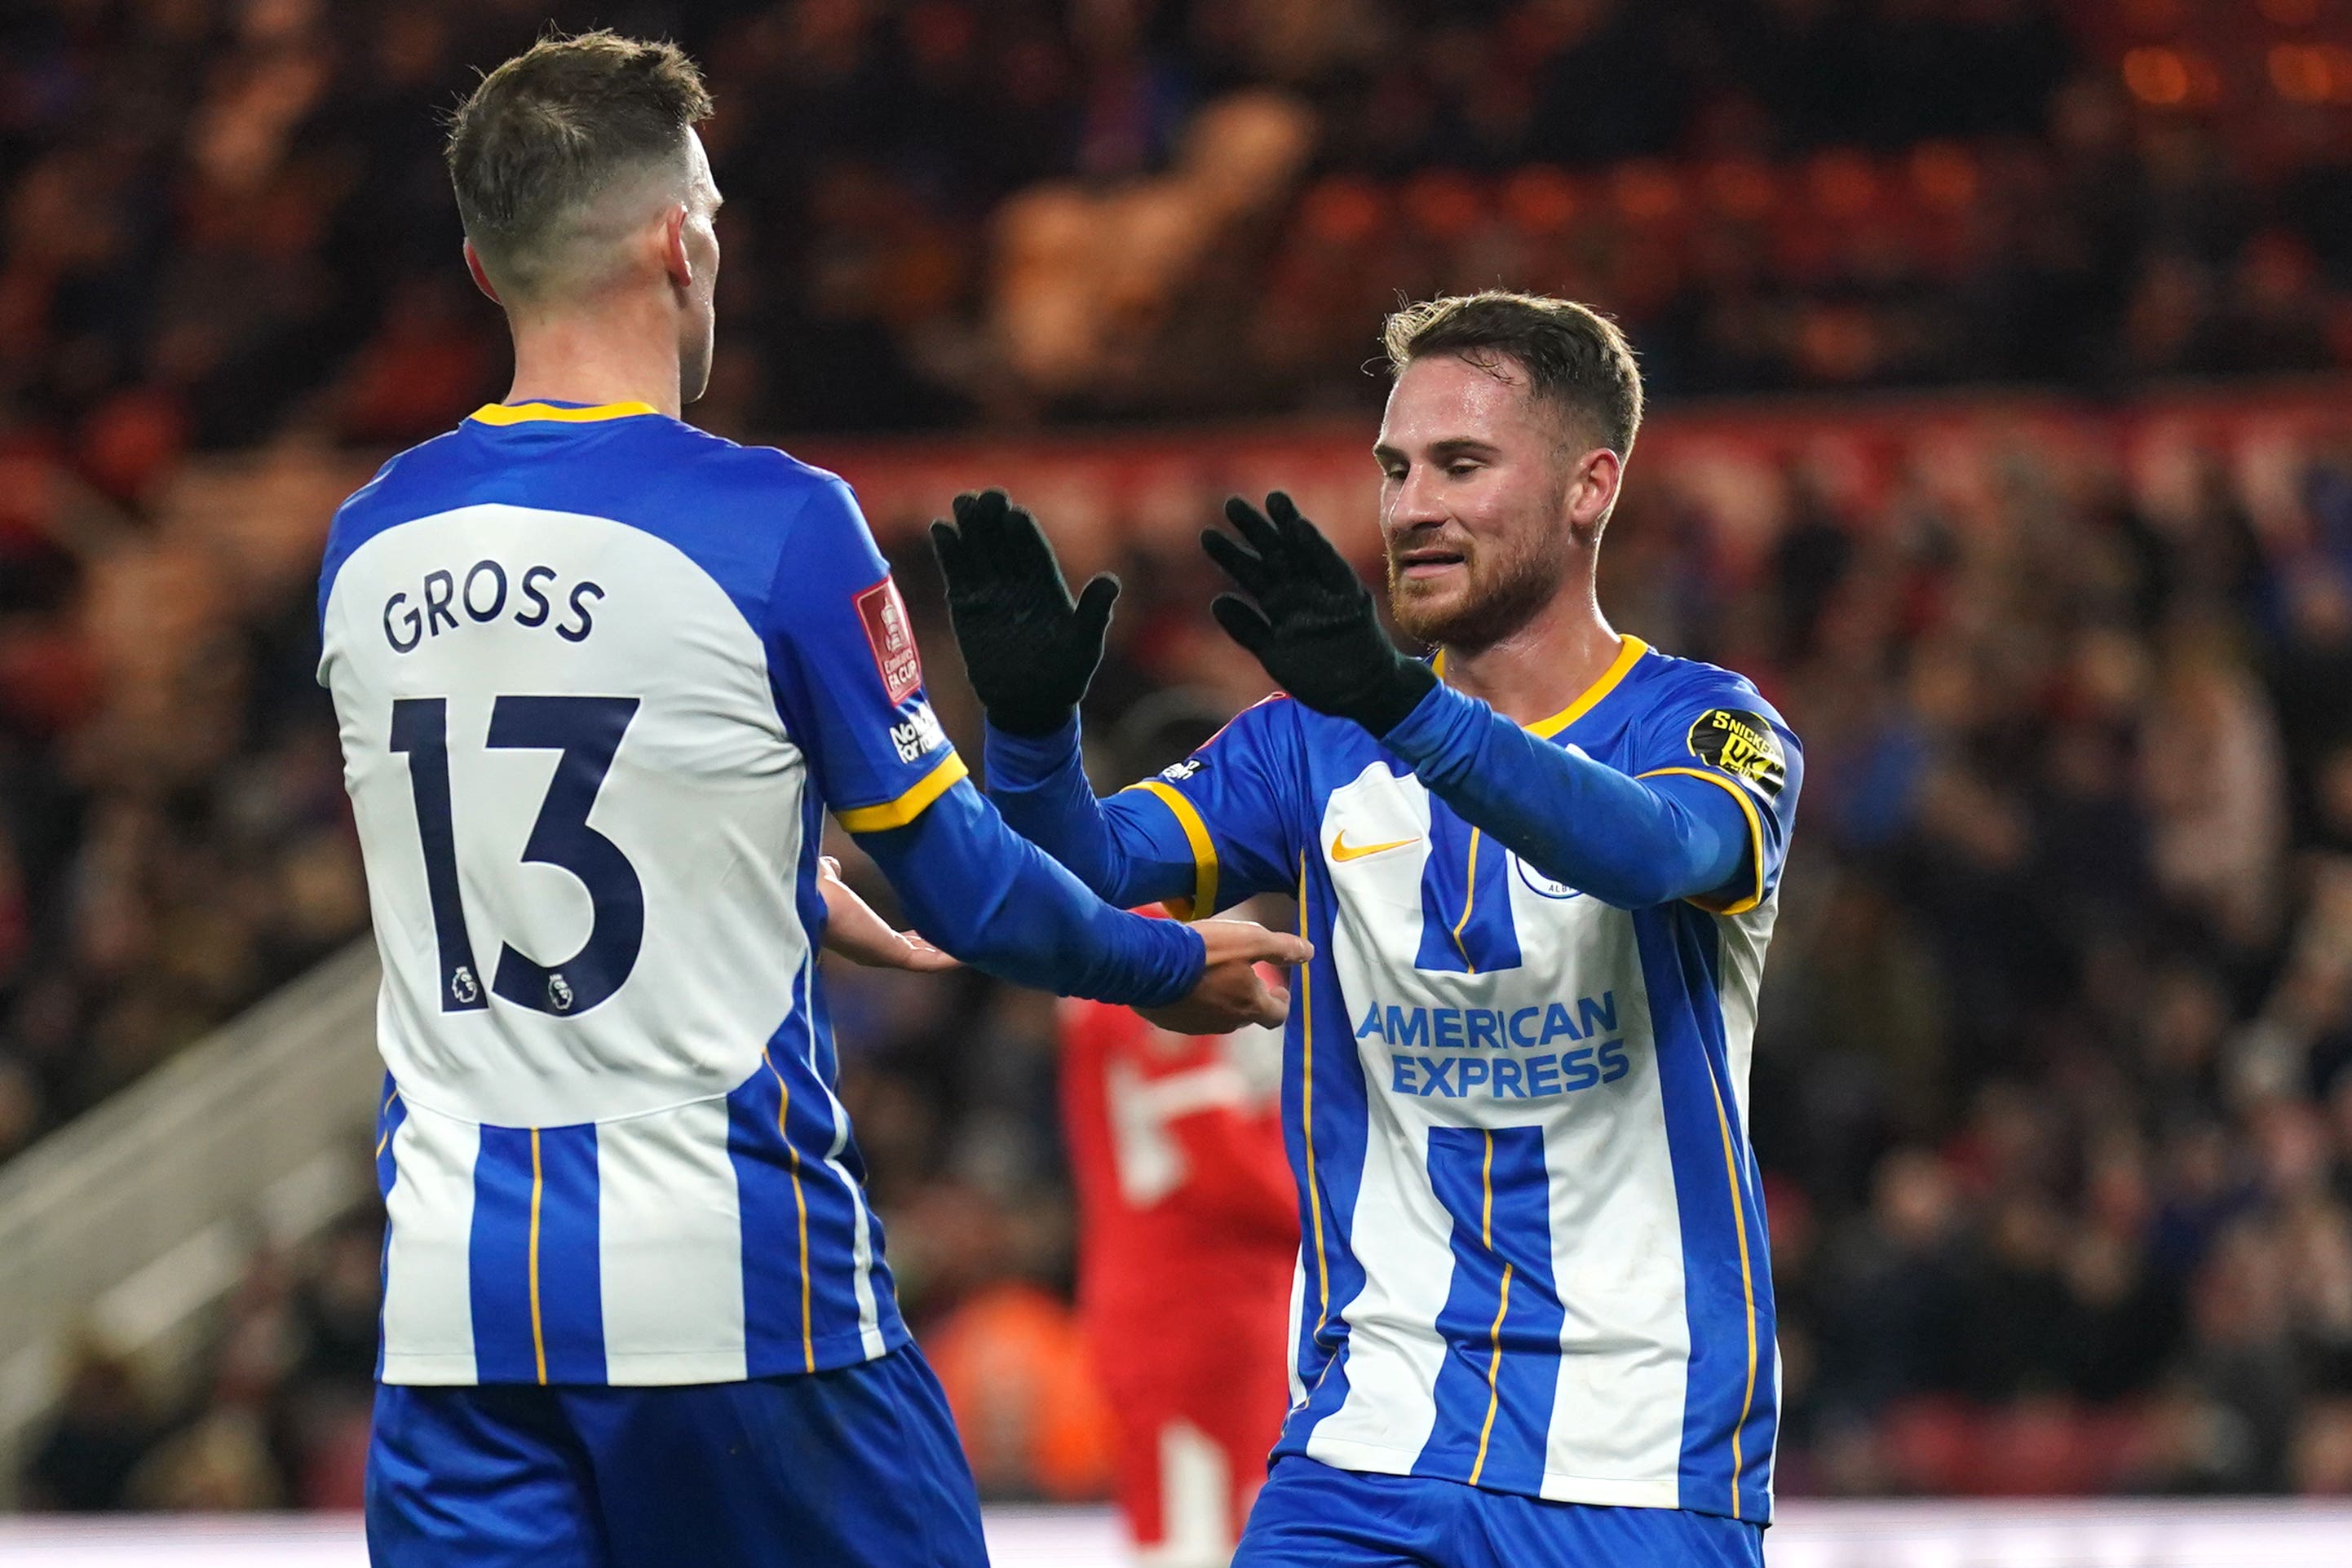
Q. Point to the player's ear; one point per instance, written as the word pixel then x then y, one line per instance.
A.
pixel 675 260
pixel 481 279
pixel 1592 491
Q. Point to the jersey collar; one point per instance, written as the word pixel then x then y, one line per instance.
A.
pixel 1628 655
pixel 556 412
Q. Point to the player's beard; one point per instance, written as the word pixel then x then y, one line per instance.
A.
pixel 1505 586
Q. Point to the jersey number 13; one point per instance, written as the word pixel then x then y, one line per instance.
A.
pixel 587 731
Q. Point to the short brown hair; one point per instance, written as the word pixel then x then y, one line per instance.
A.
pixel 1572 355
pixel 553 126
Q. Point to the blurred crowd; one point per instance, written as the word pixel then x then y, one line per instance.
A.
pixel 175 840
pixel 2054 1086
pixel 274 1415
pixel 227 217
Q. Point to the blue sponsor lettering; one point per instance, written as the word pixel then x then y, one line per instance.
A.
pixel 1598 1016
pixel 1506 1076
pixel 1417 1036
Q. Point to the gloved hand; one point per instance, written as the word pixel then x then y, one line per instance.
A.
pixel 1030 651
pixel 1314 626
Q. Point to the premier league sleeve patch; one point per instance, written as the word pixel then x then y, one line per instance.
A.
pixel 1742 744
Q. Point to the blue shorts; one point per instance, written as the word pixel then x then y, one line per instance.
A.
pixel 859 1468
pixel 1311 1515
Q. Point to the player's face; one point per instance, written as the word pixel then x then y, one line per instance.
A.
pixel 1474 491
pixel 698 322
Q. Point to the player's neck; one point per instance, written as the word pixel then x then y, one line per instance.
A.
pixel 1543 667
pixel 595 360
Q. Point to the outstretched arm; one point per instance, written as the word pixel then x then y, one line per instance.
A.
pixel 998 902
pixel 1628 842
pixel 1127 849
pixel 848 682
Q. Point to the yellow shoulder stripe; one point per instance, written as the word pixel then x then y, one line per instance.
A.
pixel 530 412
pixel 1755 835
pixel 897 813
pixel 1203 902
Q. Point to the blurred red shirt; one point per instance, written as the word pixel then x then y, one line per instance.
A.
pixel 1188 1239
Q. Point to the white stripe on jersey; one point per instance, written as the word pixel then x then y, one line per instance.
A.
pixel 429 1311
pixel 671 1261
pixel 1392 1358
pixel 1745 937
pixel 1298 1329
pixel 1615 1250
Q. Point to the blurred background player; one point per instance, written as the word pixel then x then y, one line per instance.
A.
pixel 1188 1243
pixel 599 676
pixel 1536 1320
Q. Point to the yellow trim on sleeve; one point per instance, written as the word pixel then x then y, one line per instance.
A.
pixel 537 1334
pixel 1627 657
pixel 897 813
pixel 535 413
pixel 1203 902
pixel 1755 834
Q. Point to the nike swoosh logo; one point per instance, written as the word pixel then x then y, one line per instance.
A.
pixel 1341 850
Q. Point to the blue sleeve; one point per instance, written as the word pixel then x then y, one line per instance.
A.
pixel 1201 836
pixel 1687 826
pixel 1715 732
pixel 848 676
pixel 1128 850
pixel 849 683
pixel 996 902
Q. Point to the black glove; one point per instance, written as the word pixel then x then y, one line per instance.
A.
pixel 1314 626
pixel 1029 650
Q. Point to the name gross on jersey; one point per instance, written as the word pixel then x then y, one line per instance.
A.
pixel 483 595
